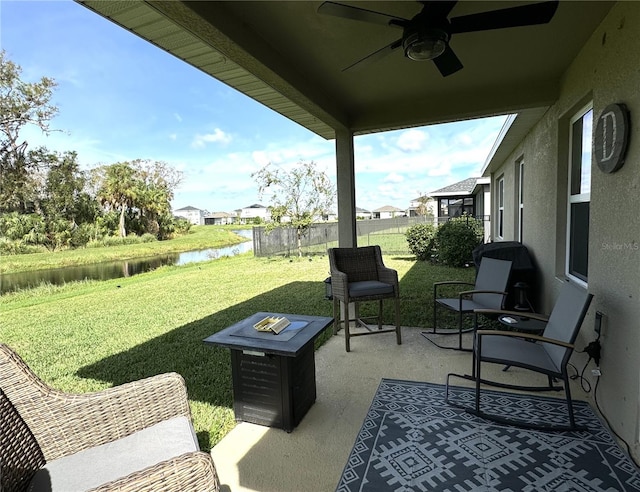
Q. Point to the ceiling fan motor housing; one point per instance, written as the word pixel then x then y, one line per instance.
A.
pixel 421 43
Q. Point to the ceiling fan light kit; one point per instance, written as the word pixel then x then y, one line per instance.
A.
pixel 424 44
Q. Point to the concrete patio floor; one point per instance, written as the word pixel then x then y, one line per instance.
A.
pixel 311 458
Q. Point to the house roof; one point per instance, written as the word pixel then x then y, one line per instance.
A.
pixel 188 208
pixel 362 211
pixel 290 58
pixel 388 208
pixel 464 187
pixel 219 215
pixel 513 131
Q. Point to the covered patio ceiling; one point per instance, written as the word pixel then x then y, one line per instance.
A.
pixel 291 58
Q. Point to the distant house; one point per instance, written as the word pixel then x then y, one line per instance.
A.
pixel 422 206
pixel 470 196
pixel 387 212
pixel 331 215
pixel 253 212
pixel 192 214
pixel 219 218
pixel 361 213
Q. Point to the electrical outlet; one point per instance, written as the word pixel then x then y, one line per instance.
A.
pixel 596 372
pixel 598 324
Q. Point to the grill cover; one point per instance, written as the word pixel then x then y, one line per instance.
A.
pixel 523 269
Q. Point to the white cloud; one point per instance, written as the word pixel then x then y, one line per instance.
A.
pixel 177 117
pixel 173 136
pixel 218 136
pixel 393 178
pixel 412 140
pixel 463 139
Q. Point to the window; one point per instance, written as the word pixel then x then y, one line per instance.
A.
pixel 520 165
pixel 455 207
pixel 500 231
pixel 579 194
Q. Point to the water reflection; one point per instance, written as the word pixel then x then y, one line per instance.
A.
pixel 117 269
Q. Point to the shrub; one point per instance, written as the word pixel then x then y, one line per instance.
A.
pixel 457 239
pixel 421 239
pixel 18 247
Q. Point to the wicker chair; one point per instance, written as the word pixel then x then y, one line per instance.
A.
pixel 41 427
pixel 359 275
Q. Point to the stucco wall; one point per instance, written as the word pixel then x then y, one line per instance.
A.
pixel 607 70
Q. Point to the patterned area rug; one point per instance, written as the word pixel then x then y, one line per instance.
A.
pixel 411 440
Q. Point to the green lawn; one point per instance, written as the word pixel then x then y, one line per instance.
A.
pixel 88 336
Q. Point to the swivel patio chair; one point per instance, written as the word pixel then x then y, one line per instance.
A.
pixel 133 437
pixel 489 292
pixel 359 275
pixel 547 354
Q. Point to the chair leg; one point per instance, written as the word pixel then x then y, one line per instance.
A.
pixel 336 315
pixel 460 330
pixel 476 370
pixel 347 333
pixel 380 314
pixel 572 419
pixel 435 315
pixel 398 332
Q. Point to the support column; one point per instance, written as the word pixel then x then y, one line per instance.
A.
pixel 346 182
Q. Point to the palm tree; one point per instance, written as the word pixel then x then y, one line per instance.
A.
pixel 118 189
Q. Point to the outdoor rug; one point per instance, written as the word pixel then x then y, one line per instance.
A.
pixel 411 440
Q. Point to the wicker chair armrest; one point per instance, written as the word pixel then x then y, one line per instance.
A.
pixel 191 471
pixel 535 316
pixel 339 284
pixel 528 336
pixel 65 423
pixel 388 276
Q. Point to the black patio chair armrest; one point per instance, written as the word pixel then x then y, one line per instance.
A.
pixel 471 292
pixel 447 282
pixel 535 316
pixel 452 282
pixel 527 336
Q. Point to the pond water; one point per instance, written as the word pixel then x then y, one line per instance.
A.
pixel 117 269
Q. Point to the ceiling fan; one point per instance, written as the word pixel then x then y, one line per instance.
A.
pixel 426 36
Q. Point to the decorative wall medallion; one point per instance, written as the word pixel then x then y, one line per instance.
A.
pixel 611 138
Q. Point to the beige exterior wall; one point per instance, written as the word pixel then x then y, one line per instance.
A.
pixel 606 71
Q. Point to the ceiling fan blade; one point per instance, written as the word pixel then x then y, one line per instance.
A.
pixel 356 13
pixel 375 56
pixel 439 9
pixel 448 63
pixel 522 15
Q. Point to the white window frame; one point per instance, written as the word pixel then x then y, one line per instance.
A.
pixel 500 203
pixel 584 194
pixel 521 200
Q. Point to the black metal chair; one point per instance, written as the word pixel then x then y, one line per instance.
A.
pixel 359 275
pixel 489 292
pixel 547 354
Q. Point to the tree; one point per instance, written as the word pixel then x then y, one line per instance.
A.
pixel 157 182
pixel 21 104
pixel 298 196
pixel 117 190
pixel 65 193
pixel 422 210
pixel 141 190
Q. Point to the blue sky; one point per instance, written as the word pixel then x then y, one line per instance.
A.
pixel 120 98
